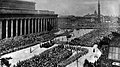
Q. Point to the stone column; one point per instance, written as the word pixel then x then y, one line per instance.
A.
pixel 35 25
pixel 38 25
pixel 6 28
pixel 51 21
pixel 16 27
pixel 25 27
pixel 32 24
pixel 41 24
pixel 28 26
pixel 0 29
pixel 12 28
pixel 46 24
pixel 54 23
pixel 21 23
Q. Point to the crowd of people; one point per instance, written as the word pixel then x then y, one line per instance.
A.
pixel 49 58
pixel 89 39
pixel 16 43
pixel 73 58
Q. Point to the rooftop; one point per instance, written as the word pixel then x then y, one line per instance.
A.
pixel 24 11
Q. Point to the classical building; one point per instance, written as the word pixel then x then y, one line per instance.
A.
pixel 18 17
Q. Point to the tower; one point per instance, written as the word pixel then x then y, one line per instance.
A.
pixel 95 12
pixel 99 11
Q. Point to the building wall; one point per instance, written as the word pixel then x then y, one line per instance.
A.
pixel 64 21
pixel 18 17
pixel 17 4
pixel 76 22
pixel 16 25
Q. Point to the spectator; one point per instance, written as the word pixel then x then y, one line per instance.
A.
pixel 49 58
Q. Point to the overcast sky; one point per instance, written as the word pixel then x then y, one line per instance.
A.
pixel 78 7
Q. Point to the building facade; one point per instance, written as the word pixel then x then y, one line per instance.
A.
pixel 66 21
pixel 94 17
pixel 20 18
pixel 76 22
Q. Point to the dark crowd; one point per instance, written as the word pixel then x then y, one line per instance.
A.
pixel 20 42
pixel 64 63
pixel 49 58
pixel 89 39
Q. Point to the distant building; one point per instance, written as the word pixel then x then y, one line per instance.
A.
pixel 94 16
pixel 76 22
pixel 65 21
pixel 107 19
pixel 111 19
pixel 18 17
pixel 86 22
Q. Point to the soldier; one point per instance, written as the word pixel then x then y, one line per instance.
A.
pixel 104 41
pixel 4 61
pixel 88 64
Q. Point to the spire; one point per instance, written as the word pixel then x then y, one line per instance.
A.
pixel 99 11
pixel 95 12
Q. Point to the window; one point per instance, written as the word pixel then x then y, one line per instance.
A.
pixel 114 53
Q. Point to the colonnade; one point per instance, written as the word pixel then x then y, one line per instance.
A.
pixel 11 27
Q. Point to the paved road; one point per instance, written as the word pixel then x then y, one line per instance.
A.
pixel 25 53
pixel 90 56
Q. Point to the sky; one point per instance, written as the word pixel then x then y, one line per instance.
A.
pixel 78 7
